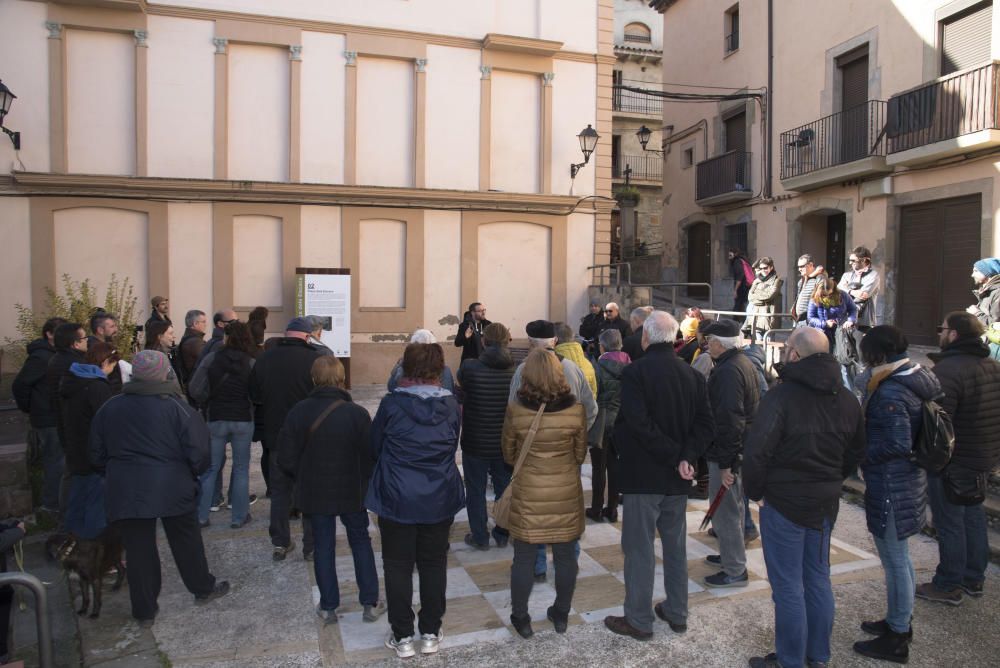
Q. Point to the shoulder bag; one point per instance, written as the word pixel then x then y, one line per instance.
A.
pixel 501 509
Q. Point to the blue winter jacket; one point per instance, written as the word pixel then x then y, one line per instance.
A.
pixel 893 418
pixel 414 438
pixel 819 314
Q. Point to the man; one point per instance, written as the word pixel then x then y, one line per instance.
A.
pixel 862 283
pixel 31 392
pixel 316 335
pixel 664 425
pixel 734 392
pixel 160 307
pixel 632 344
pixel 809 276
pixel 808 436
pixel 219 322
pixel 971 384
pixel 104 327
pixel 590 326
pixel 470 332
pixel 613 320
pixel 568 348
pixel 70 341
pixel 743 277
pixel 195 327
pixel 280 379
pixel 486 385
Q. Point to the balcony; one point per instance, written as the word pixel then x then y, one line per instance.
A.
pixel 631 102
pixel 647 167
pixel 952 115
pixel 724 179
pixel 840 147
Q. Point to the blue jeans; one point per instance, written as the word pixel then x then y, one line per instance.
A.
pixel 963 545
pixel 324 529
pixel 798 567
pixel 900 581
pixel 238 434
pixel 476 470
pixel 540 558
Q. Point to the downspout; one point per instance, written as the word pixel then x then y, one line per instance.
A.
pixel 769 117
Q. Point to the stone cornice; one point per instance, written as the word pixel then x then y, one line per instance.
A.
pixel 535 47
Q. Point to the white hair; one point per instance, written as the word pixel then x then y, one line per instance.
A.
pixel 638 316
pixel 728 342
pixel 423 336
pixel 660 327
pixel 542 343
pixel 611 305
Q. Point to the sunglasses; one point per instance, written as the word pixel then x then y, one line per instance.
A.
pixel 608 310
pixel 801 266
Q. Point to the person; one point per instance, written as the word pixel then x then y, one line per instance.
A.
pixel 222 385
pixel 151 446
pixel 193 340
pixel 734 392
pixel 603 458
pixel 323 447
pixel 764 299
pixel 547 496
pixel 833 312
pixel 810 274
pixel 71 343
pixel 808 436
pixel 971 384
pixel 11 532
pixel 986 274
pixel 862 284
pixel 82 393
pixel 420 336
pixel 613 320
pixel 316 335
pixel 703 362
pixel 470 332
pixel 632 344
pixel 568 348
pixel 160 336
pixel 687 347
pixel 281 378
pixel 743 277
pixel 104 328
pixel 219 321
pixel 416 490
pixel 257 321
pixel 895 487
pixel 485 385
pixel 31 393
pixel 590 326
pixel 161 305
pixel 664 424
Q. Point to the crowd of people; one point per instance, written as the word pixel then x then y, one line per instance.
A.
pixel 667 410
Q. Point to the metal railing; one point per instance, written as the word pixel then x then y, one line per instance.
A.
pixel 636 37
pixel 949 107
pixel 41 613
pixel 643 167
pixel 636 103
pixel 833 140
pixel 732 41
pixel 612 268
pixel 673 289
pixel 726 173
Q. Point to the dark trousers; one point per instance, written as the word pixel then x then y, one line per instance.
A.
pixel 281 506
pixel 139 541
pixel 324 563
pixel 423 545
pixel 604 466
pixel 54 487
pixel 265 467
pixel 522 576
pixel 476 469
pixel 6 601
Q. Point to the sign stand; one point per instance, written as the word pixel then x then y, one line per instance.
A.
pixel 326 293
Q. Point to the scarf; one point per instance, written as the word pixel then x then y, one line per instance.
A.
pixel 829 301
pixel 617 356
pixel 880 374
pixel 153 388
pixel 406 381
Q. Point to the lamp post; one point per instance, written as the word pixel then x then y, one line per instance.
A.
pixel 6 98
pixel 644 134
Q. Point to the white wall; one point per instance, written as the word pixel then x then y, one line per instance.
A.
pixel 385 122
pixel 93 243
pixel 442 271
pixel 321 241
pixel 452 153
pixel 572 22
pixel 15 270
pixel 322 150
pixel 574 83
pixel 516 17
pixel 24 43
pixel 181 73
pixel 515 156
pixel 257 249
pixel 189 239
pixel 515 273
pixel 259 82
pixel 382 256
pixel 100 91
pixel 579 256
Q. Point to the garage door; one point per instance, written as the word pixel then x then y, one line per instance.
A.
pixel 939 241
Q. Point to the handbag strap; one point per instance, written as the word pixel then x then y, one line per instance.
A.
pixel 528 441
pixel 334 405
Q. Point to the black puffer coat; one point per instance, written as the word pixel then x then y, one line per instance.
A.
pixel 58 368
pixel 734 390
pixel 82 392
pixel 971 384
pixel 222 385
pixel 281 378
pixel 486 386
pixel 30 389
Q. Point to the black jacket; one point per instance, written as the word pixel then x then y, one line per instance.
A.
pixel 665 418
pixel 332 469
pixel 82 392
pixel 632 345
pixel 471 347
pixel 808 436
pixel 222 386
pixel 31 391
pixel 58 368
pixel 156 317
pixel 590 326
pixel 971 384
pixel 619 324
pixel 609 390
pixel 151 450
pixel 486 386
pixel 734 390
pixel 281 378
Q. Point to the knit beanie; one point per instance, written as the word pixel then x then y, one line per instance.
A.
pixel 496 333
pixel 988 266
pixel 689 327
pixel 151 365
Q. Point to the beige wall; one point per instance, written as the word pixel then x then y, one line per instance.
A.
pixel 259 80
pixel 516 132
pixel 569 117
pixel 257 260
pixel 321 236
pixel 15 270
pixel 452 117
pixel 514 270
pixel 322 107
pixel 442 272
pixel 382 264
pixel 385 133
pixel 24 43
pixel 190 259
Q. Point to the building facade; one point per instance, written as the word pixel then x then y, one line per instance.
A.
pixel 875 124
pixel 205 149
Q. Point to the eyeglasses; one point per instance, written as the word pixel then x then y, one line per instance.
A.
pixel 801 266
pixel 608 310
pixel 944 329
pixel 81 338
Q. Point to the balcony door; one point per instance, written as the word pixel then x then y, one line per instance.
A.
pixel 699 257
pixel 853 124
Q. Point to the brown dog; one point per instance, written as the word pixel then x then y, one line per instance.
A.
pixel 90 560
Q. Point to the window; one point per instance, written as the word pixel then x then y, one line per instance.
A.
pixel 736 237
pixel 732 26
pixel 736 132
pixel 687 157
pixel 616 156
pixel 965 38
pixel 638 32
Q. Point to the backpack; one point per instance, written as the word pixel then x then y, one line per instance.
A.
pixel 935 441
pixel 748 274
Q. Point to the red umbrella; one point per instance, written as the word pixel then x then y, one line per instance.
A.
pixel 712 508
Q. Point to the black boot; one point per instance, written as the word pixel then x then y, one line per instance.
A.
pixel 890 646
pixel 881 627
pixel 522 626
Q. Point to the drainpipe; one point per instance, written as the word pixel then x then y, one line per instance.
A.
pixel 770 97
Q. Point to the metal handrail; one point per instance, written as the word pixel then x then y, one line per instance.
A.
pixel 41 613
pixel 618 274
pixel 674 286
pixel 768 362
pixel 740 314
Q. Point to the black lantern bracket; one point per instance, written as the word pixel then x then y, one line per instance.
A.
pixel 588 142
pixel 643 135
pixel 6 98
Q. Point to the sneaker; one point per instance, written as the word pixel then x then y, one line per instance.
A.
pixel 769 661
pixel 621 626
pixel 881 627
pixel 215 507
pixel 430 642
pixel 205 524
pixel 221 589
pixel 930 592
pixel 403 647
pixel 253 500
pixel 676 627
pixel 247 519
pixel 307 556
pixel 973 590
pixel 501 539
pixel 714 559
pixel 720 580
pixel 890 646
pixel 328 616
pixel 280 553
pixel 373 612
pixel 471 542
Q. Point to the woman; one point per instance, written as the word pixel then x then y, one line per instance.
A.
pixel 222 385
pixel 743 276
pixel 547 496
pixel 257 322
pixel 764 298
pixel 160 337
pixel 82 391
pixel 986 274
pixel 604 461
pixel 831 309
pixel 895 487
pixel 416 490
pixel 687 346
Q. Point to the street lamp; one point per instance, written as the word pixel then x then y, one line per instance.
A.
pixel 644 134
pixel 588 142
pixel 6 98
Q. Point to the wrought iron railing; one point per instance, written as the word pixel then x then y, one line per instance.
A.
pixel 732 41
pixel 726 173
pixel 949 107
pixel 648 167
pixel 635 103
pixel 833 140
pixel 634 37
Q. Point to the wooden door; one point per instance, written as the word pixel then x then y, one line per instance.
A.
pixel 699 257
pixel 836 246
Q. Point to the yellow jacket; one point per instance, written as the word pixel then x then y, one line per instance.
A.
pixel 573 351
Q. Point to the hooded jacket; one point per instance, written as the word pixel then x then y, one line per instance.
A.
pixel 222 385
pixel 808 436
pixel 988 301
pixel 486 385
pixel 573 351
pixel 734 390
pixel 414 437
pixel 30 389
pixel 82 392
pixel 609 369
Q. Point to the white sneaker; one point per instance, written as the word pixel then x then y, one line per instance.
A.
pixel 403 647
pixel 429 642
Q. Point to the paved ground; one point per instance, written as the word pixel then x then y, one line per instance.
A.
pixel 268 619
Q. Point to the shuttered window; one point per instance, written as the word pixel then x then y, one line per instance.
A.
pixel 854 79
pixel 736 132
pixel 965 39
